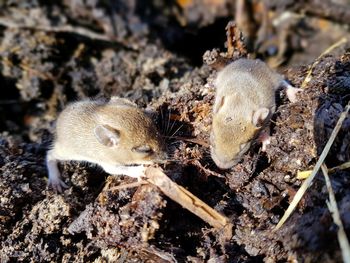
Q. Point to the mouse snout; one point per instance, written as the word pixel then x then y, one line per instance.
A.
pixel 222 160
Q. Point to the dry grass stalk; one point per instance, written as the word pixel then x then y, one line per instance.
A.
pixel 300 193
pixel 328 50
pixel 305 174
pixel 333 208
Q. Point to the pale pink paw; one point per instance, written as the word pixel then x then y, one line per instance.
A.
pixel 265 139
pixel 57 184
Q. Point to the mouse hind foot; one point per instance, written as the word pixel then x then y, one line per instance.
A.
pixel 291 91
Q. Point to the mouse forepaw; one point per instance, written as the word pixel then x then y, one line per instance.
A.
pixel 54 181
pixel 57 184
pixel 132 171
pixel 265 139
pixel 138 172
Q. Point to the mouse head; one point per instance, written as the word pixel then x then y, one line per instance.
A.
pixel 129 136
pixel 233 132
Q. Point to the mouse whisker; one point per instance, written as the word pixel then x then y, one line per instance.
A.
pixel 168 122
pixel 162 126
pixel 176 131
pixel 172 126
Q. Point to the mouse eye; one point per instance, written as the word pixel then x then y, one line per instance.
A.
pixel 145 149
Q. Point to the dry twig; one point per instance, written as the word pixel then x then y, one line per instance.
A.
pixel 61 29
pixel 235 49
pixel 187 200
pixel 235 44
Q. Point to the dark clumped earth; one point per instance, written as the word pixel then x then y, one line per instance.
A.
pixel 151 52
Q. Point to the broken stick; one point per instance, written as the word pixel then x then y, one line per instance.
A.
pixel 187 200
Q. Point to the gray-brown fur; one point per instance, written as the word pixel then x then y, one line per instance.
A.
pixel 81 135
pixel 244 102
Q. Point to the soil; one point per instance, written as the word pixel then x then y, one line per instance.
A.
pixel 151 52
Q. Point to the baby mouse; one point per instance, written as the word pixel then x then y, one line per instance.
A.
pixel 244 103
pixel 111 134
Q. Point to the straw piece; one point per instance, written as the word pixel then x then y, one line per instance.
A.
pixel 333 208
pixel 300 193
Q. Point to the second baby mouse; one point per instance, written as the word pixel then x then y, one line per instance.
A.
pixel 112 134
pixel 244 102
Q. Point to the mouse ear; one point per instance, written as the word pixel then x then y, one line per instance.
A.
pixel 219 102
pixel 260 116
pixel 122 102
pixel 106 135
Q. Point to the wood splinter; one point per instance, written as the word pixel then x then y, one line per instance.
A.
pixel 187 200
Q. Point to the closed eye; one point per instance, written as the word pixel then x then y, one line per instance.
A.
pixel 144 149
